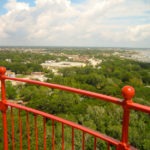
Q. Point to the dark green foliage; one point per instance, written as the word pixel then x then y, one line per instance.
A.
pixel 11 91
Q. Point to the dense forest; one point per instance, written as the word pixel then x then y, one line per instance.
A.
pixel 107 78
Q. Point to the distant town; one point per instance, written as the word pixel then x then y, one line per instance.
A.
pixel 139 54
pixel 74 59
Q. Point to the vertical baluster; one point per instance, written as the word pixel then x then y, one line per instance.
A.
pixel 20 130
pixel 53 135
pixel 12 129
pixel 95 143
pixel 83 140
pixel 28 129
pixel 5 136
pixel 72 138
pixel 62 136
pixel 36 131
pixel 44 127
pixel 108 146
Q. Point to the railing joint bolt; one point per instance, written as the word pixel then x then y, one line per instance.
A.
pixel 3 106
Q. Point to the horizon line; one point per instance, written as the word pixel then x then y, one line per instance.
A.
pixel 33 46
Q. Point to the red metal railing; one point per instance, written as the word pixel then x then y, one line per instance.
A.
pixel 11 142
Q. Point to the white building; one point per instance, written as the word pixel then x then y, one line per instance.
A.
pixel 94 62
pixel 63 64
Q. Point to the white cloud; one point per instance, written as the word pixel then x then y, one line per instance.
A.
pixel 59 22
pixel 139 32
pixel 13 5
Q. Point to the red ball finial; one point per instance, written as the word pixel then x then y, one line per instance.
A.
pixel 128 92
pixel 2 70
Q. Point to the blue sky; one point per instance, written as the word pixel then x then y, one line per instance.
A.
pixel 2 10
pixel 110 23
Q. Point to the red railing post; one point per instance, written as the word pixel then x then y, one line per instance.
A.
pixel 128 93
pixel 3 107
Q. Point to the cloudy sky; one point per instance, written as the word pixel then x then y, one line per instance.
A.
pixel 102 23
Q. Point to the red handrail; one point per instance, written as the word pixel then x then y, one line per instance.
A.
pixel 127 104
